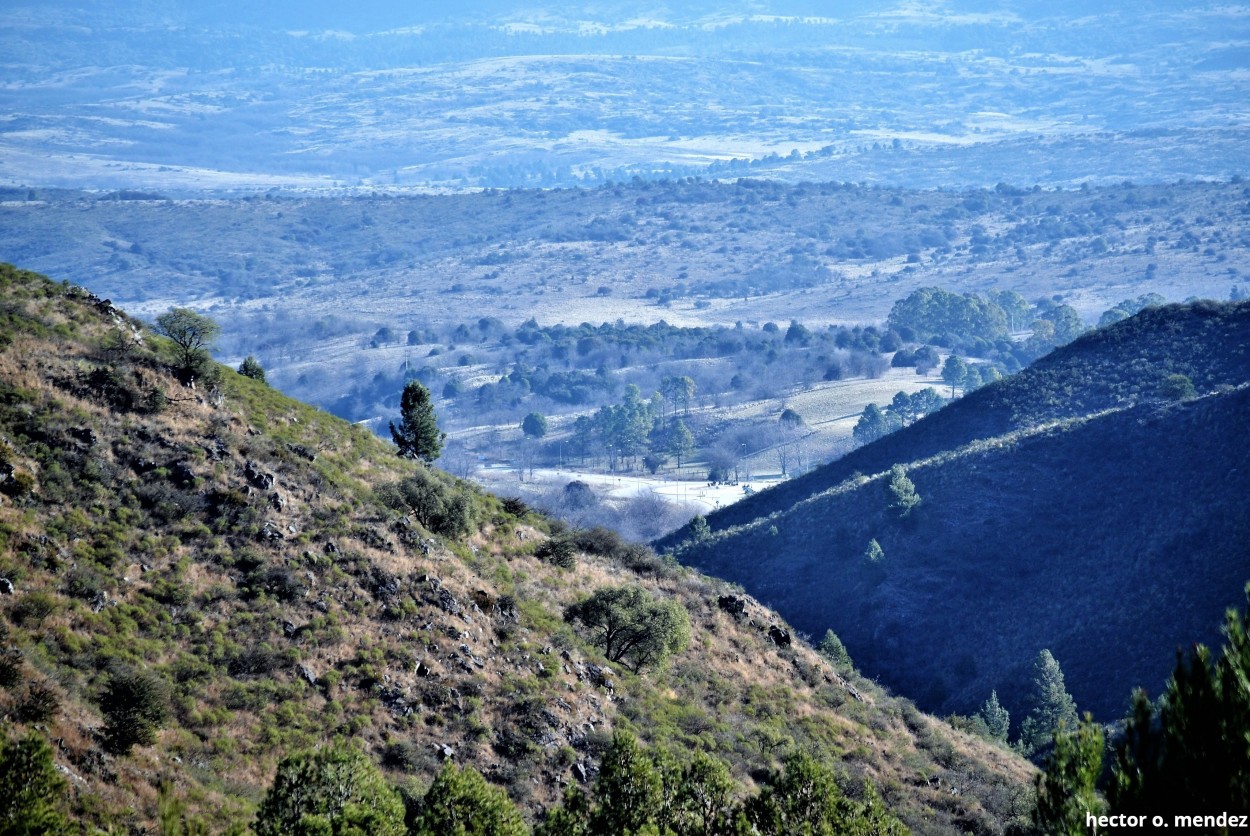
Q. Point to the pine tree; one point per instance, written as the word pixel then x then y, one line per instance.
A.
pixel 534 425
pixel 1192 751
pixel 831 648
pixel 417 435
pixel 954 372
pixel 461 802
pixel 251 367
pixel 996 718
pixel 1065 790
pixel 32 792
pixel 902 491
pixel 1051 706
pixel 872 424
pixel 629 790
pixel 680 441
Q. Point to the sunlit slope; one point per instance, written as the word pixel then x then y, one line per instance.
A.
pixel 250 558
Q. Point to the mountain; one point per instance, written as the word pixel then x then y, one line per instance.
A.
pixel 1072 507
pixel 201 579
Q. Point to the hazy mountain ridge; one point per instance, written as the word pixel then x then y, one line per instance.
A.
pixel 511 96
pixel 240 546
pixel 1067 507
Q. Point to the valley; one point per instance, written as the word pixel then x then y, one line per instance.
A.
pixel 758 417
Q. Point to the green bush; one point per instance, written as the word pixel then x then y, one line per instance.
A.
pixel 32 793
pixel 461 802
pixel 135 704
pixel 336 790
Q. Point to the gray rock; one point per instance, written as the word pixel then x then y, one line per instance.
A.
pixel 309 675
pixel 732 604
pixel 258 477
pixel 448 603
pixel 779 637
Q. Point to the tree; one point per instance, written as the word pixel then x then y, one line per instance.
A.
pixel 629 789
pixel 632 627
pixel 135 704
pixel 1191 752
pixel 805 798
pixel 872 424
pixel 954 372
pixel 680 441
pixel 192 333
pixel 705 802
pixel 32 792
pixel 441 509
pixel 461 803
pixel 699 528
pixel 417 436
pixel 902 491
pixel 336 791
pixel 679 391
pixel 534 425
pixel 997 719
pixel 1177 387
pixel 571 818
pixel 832 648
pixel 1050 706
pixel 251 367
pixel 1015 307
pixel 1066 791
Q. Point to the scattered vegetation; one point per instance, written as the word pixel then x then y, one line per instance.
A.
pixel 193 597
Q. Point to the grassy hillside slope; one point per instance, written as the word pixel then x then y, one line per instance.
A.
pixel 245 550
pixel 1069 507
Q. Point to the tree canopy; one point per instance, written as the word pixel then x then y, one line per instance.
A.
pixel 32 792
pixel 902 491
pixel 631 626
pixel 335 791
pixel 461 803
pixel 193 334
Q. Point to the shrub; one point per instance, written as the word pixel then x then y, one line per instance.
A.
pixel 559 551
pixel 439 508
pixel 135 705
pixel 33 609
pixel 38 705
pixel 32 793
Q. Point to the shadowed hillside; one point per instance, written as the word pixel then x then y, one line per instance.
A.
pixel 1107 368
pixel 199 581
pixel 1070 507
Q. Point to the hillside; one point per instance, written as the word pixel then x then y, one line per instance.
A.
pixel 283 579
pixel 1069 507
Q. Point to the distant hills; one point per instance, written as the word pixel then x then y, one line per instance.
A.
pixel 510 94
pixel 1076 506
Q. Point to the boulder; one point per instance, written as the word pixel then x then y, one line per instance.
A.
pixel 779 637
pixel 732 604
